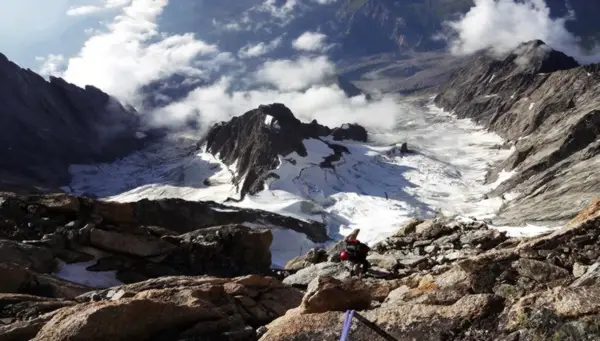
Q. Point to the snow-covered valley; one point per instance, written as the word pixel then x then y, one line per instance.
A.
pixel 375 187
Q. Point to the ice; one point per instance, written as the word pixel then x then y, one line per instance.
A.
pixel 170 169
pixel 529 230
pixel 77 273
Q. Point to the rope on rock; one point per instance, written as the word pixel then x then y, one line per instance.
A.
pixel 348 322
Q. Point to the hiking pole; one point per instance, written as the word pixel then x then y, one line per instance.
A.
pixel 375 327
pixel 347 323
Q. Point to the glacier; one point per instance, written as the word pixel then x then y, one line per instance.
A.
pixel 375 188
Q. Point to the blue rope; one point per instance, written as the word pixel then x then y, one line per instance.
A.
pixel 347 323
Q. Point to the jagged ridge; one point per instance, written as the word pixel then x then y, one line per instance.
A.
pixel 545 104
pixel 48 125
pixel 255 140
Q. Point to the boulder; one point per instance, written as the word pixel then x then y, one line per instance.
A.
pixel 431 229
pixel 134 318
pixel 590 277
pixel 329 294
pixel 226 250
pixel 551 313
pixel 313 256
pixel 539 271
pixel 17 279
pixel 305 276
pixel 25 330
pixel 39 259
pixel 25 307
pixel 129 244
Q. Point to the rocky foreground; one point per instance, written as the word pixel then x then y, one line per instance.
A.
pixel 444 280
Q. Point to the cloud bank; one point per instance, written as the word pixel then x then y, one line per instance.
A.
pixel 132 51
pixel 298 74
pixel 501 25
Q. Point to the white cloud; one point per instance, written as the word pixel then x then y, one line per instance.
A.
pixel 52 65
pixel 310 41
pixel 328 104
pixel 83 10
pixel 284 14
pixel 260 49
pixel 90 9
pixel 293 75
pixel 132 53
pixel 501 25
pixel 278 12
pixel 117 3
pixel 325 2
pixel 243 24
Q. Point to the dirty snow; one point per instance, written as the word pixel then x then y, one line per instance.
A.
pixel 78 273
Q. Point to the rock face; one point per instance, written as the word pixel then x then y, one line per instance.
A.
pixel 141 240
pixel 48 125
pixel 516 290
pixel 545 104
pixel 255 141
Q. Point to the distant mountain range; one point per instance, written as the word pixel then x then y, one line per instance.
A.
pixel 379 45
pixel 358 27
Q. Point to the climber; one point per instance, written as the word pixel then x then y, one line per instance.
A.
pixel 356 252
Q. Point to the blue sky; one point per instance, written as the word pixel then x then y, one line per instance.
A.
pixel 30 28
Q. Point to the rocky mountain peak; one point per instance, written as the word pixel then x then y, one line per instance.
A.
pixel 255 140
pixel 538 57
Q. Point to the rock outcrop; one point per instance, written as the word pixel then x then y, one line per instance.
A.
pixel 420 246
pixel 49 125
pixel 543 288
pixel 254 142
pixel 546 105
pixel 169 308
pixel 140 240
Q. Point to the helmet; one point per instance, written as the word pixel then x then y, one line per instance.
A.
pixel 344 255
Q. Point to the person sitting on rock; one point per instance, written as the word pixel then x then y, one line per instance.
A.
pixel 357 251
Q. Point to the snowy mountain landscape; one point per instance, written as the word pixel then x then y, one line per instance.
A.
pixel 189 171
